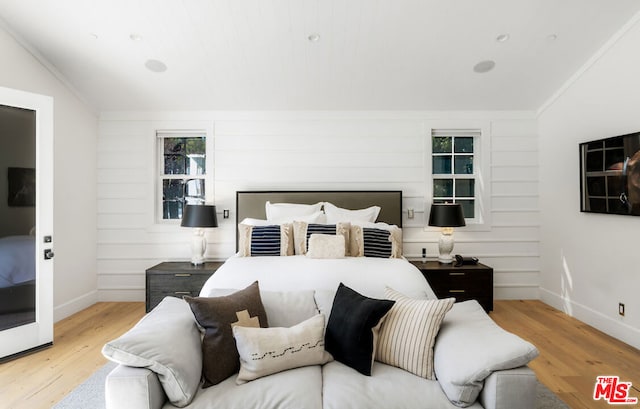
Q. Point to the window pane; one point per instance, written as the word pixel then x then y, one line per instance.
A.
pixel 443 188
pixel 468 208
pixel 463 144
pixel 173 164
pixel 194 190
pixel 465 188
pixel 463 164
pixel 171 210
pixel 172 189
pixel 442 165
pixel 195 149
pixel 441 144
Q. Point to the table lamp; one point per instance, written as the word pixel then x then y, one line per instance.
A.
pixel 447 216
pixel 199 217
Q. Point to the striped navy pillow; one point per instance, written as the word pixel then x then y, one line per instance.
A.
pixel 319 229
pixel 376 242
pixel 265 240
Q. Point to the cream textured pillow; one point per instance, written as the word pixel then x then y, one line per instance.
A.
pixel 265 351
pixel 326 246
pixel 409 331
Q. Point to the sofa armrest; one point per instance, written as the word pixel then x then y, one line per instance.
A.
pixel 135 388
pixel 511 388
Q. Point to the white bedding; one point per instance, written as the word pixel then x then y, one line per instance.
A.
pixel 369 276
pixel 17 260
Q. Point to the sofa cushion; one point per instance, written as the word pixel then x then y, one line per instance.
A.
pixel 167 342
pixel 217 315
pixel 409 331
pixel 283 308
pixel 352 328
pixel 470 346
pixel 299 388
pixel 387 387
pixel 265 351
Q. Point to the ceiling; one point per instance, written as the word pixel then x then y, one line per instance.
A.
pixel 371 54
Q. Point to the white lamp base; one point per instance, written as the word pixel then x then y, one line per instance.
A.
pixel 198 247
pixel 445 246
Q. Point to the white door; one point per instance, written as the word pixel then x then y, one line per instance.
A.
pixel 26 222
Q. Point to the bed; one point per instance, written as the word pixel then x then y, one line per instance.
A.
pixel 17 280
pixel 367 275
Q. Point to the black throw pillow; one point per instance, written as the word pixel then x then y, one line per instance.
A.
pixel 350 334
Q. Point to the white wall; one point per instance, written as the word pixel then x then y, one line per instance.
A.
pixel 589 262
pixel 294 150
pixel 75 135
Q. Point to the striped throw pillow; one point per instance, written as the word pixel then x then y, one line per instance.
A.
pixel 272 240
pixel 409 331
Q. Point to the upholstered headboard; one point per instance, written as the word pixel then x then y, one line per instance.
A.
pixel 252 203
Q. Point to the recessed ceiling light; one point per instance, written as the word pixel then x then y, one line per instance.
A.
pixel 93 36
pixel 502 38
pixel 484 66
pixel 155 66
pixel 135 37
pixel 314 38
pixel 552 37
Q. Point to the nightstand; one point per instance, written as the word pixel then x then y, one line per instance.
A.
pixel 176 279
pixel 468 282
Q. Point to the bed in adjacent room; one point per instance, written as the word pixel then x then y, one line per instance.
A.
pixel 17 280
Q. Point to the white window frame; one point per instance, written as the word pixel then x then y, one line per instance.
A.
pixel 164 130
pixel 481 132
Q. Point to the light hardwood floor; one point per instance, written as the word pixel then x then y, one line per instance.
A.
pixel 572 354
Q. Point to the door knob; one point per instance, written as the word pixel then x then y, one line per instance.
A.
pixel 48 254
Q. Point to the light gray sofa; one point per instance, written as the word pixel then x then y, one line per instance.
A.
pixel 478 365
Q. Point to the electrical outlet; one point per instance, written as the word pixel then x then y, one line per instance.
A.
pixel 621 309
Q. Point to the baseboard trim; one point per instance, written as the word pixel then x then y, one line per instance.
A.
pixel 77 304
pixel 596 319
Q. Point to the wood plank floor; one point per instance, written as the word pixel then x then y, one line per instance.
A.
pixel 572 353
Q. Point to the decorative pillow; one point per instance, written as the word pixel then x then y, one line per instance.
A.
pixel 409 332
pixel 287 212
pixel 265 351
pixel 470 347
pixel 273 240
pixel 376 240
pixel 353 326
pixel 302 230
pixel 337 214
pixel 167 342
pixel 326 246
pixel 217 315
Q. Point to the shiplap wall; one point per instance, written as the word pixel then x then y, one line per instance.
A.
pixel 306 151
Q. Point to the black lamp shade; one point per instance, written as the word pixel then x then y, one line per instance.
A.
pixel 446 215
pixel 199 216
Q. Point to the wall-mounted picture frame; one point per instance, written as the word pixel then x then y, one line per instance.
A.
pixel 22 187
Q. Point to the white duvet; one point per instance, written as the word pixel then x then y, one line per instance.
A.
pixel 17 260
pixel 369 276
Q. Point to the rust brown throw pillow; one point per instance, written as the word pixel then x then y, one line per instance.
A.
pixel 218 315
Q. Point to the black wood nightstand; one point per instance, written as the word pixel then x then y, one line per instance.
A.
pixel 176 279
pixel 468 282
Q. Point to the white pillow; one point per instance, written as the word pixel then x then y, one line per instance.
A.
pixel 265 351
pixel 290 211
pixel 166 341
pixel 255 222
pixel 326 246
pixel 337 214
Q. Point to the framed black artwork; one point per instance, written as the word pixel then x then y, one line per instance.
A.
pixel 22 187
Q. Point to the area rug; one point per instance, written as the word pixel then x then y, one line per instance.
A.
pixel 90 394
